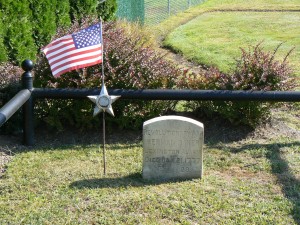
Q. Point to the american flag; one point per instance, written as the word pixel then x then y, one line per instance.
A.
pixel 75 51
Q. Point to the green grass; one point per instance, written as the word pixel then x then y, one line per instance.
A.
pixel 244 183
pixel 214 5
pixel 215 38
pixel 253 4
pixel 208 36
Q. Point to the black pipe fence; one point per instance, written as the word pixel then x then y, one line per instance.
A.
pixel 29 93
pixel 167 94
pixel 13 105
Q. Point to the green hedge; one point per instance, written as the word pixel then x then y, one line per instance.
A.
pixel 3 54
pixel 18 30
pixel 26 26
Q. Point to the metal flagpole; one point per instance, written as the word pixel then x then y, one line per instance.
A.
pixel 103 102
pixel 104 155
pixel 102 53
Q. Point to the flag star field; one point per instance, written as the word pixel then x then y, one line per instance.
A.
pixel 75 51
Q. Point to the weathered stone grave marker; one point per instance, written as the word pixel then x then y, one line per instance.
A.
pixel 172 148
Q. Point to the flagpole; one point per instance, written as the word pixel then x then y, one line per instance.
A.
pixel 104 155
pixel 102 53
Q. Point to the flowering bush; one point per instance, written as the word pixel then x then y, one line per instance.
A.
pixel 258 70
pixel 130 62
pixel 255 70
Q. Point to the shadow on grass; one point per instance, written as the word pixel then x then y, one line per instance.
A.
pixel 280 168
pixel 77 142
pixel 132 180
pixel 216 131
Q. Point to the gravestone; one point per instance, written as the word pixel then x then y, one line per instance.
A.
pixel 172 148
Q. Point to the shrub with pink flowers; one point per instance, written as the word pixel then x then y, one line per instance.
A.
pixel 256 69
pixel 130 62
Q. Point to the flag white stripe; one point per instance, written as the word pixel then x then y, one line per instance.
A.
pixel 74 52
pixel 76 64
pixel 52 46
pixel 75 58
pixel 60 50
pixel 63 56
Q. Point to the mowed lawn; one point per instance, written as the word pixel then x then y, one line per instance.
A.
pixel 247 179
pixel 214 38
pixel 253 4
pixel 243 183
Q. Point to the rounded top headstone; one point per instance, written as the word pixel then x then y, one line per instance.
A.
pixel 172 148
pixel 27 65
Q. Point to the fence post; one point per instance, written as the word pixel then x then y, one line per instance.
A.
pixel 27 83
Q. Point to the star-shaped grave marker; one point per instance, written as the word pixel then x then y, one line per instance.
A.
pixel 103 101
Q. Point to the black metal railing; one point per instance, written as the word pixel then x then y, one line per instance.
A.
pixel 168 94
pixel 13 105
pixel 26 98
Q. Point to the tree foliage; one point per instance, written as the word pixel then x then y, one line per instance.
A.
pixel 18 30
pixel 3 54
pixel 27 25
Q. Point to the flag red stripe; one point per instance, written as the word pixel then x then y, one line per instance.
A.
pixel 59 41
pixel 75 61
pixel 75 54
pixel 79 50
pixel 77 67
pixel 66 48
pixel 58 44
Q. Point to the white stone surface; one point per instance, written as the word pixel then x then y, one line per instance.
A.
pixel 172 148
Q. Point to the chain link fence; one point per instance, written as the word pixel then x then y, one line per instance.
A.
pixel 151 12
